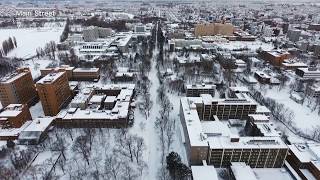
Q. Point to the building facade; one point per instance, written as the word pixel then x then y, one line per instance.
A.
pixel 195 90
pixel 213 29
pixel 54 92
pixel 14 116
pixel 18 88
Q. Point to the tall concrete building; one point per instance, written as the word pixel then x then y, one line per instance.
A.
pixel 18 88
pixel 211 29
pixel 54 92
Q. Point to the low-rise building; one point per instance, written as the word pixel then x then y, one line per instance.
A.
pixel 241 171
pixel 14 116
pixel 105 106
pixel 275 57
pixel 313 91
pixel 308 73
pixel 262 77
pixel 211 29
pixel 287 64
pixel 204 172
pixel 195 90
pixel 86 74
pixel 74 74
pixel 304 158
pixel 36 131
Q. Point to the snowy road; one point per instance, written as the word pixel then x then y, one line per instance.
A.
pixel 153 156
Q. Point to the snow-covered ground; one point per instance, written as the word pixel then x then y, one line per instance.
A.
pixel 252 45
pixel 29 39
pixel 35 65
pixel 36 111
pixel 304 118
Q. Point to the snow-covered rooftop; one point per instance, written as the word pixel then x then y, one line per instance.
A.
pixel 242 172
pixel 204 173
pixel 50 78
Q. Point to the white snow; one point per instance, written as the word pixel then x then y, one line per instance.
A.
pixel 36 111
pixel 29 39
pixel 304 118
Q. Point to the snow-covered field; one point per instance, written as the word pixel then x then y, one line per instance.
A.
pixel 255 45
pixel 28 40
pixel 304 118
pixel 35 65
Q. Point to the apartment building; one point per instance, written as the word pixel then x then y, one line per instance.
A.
pixel 308 73
pixel 18 88
pixel 195 90
pixel 211 29
pixel 14 116
pixel 275 57
pixel 54 92
pixel 219 143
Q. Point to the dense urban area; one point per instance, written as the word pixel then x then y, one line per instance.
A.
pixel 159 90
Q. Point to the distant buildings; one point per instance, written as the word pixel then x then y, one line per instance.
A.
pixel 79 74
pixel 308 73
pixel 140 28
pixel 294 35
pixel 54 92
pixel 92 33
pixel 276 57
pixel 180 44
pixel 14 116
pixel 18 88
pixel 211 29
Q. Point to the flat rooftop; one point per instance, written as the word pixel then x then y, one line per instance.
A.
pixel 241 171
pixel 50 78
pixel 93 70
pixel 200 86
pixel 204 173
pixel 12 110
pixel 216 134
pixel 39 124
pixel 12 77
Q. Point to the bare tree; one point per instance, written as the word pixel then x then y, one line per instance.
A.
pixel 81 146
pixel 112 167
